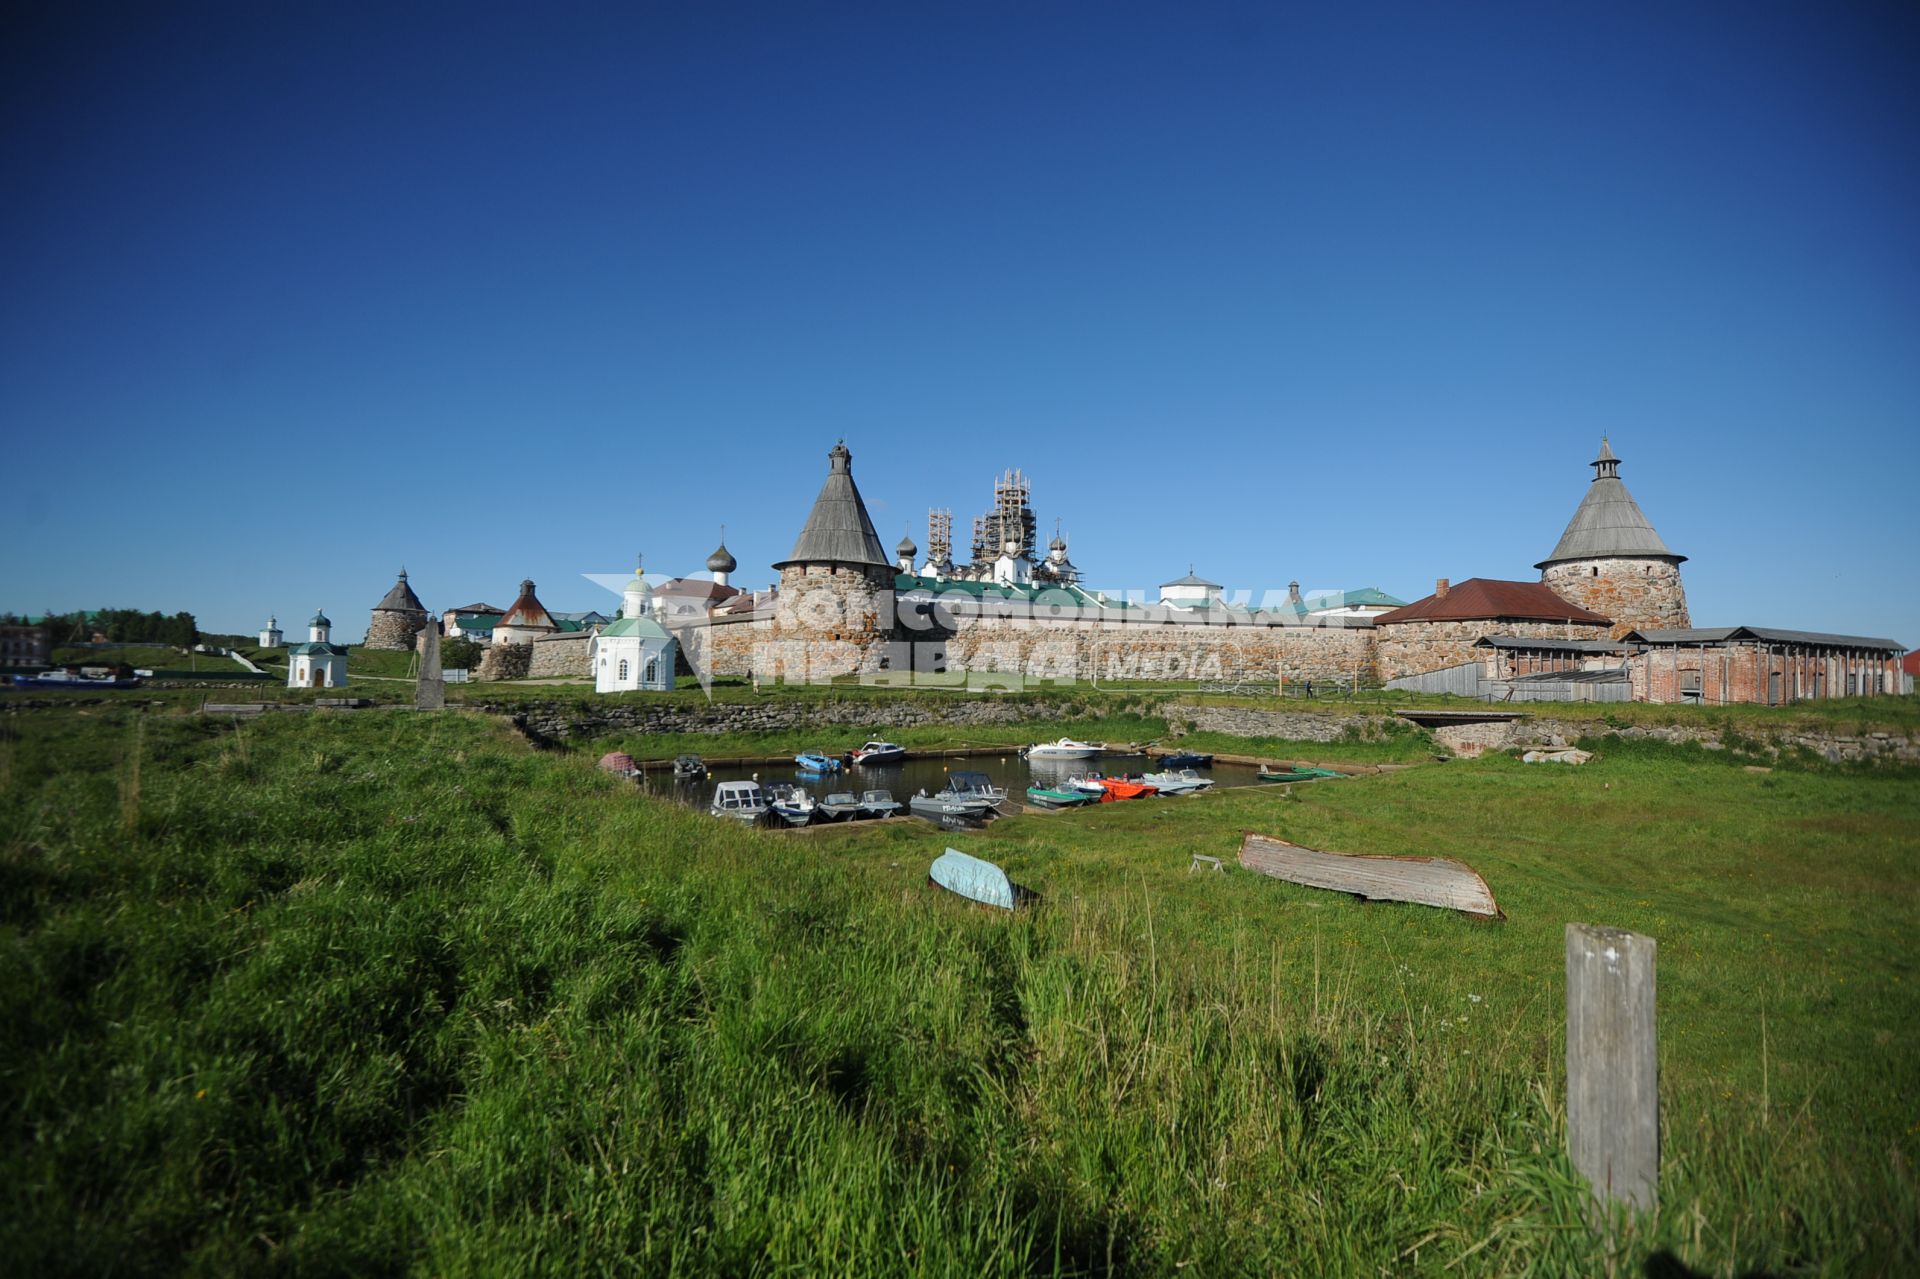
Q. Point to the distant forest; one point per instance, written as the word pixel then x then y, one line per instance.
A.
pixel 118 626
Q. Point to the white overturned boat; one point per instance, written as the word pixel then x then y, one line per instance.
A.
pixel 1066 748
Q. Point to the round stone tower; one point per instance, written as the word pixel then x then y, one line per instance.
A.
pixel 397 618
pixel 834 614
pixel 1612 562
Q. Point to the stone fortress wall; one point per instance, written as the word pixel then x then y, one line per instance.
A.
pixel 1638 594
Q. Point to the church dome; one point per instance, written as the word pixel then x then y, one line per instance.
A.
pixel 906 549
pixel 722 561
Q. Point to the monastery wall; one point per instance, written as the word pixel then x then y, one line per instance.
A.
pixel 1413 648
pixel 560 657
pixel 505 661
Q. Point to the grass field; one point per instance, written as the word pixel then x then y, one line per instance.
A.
pixel 384 993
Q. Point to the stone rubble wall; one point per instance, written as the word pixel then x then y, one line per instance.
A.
pixel 563 720
pixel 1295 726
pixel 505 661
pixel 560 658
pixel 1414 648
pixel 1638 594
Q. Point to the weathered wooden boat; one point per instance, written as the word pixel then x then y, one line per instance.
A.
pixel 817 762
pixel 1186 759
pixel 1048 797
pixel 974 879
pixel 1424 881
pixel 879 752
pixel 841 806
pixel 1178 781
pixel 742 801
pixel 689 768
pixel 791 804
pixel 879 803
pixel 1065 748
pixel 1297 774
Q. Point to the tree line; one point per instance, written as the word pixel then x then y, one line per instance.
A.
pixel 117 626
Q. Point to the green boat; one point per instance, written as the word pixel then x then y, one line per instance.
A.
pixel 1049 798
pixel 1299 774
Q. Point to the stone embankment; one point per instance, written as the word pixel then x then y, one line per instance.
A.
pixel 559 721
pixel 1536 731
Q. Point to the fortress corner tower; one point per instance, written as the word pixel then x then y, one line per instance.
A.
pixel 1611 562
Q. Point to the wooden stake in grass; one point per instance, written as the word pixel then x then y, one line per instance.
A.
pixel 130 781
pixel 1613 1095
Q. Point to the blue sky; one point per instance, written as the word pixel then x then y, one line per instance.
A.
pixel 294 294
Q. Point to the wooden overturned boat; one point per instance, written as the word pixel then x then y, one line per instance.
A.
pixel 974 879
pixel 1424 881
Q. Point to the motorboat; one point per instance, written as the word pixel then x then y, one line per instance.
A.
pixel 791 804
pixel 1065 748
pixel 742 801
pixel 1186 759
pixel 1094 784
pixel 966 794
pixel 1048 797
pixel 879 803
pixel 1178 781
pixel 879 752
pixel 89 678
pixel 1297 774
pixel 689 768
pixel 841 806
pixel 817 762
pixel 1119 788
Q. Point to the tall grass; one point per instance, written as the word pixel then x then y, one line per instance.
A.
pixel 393 992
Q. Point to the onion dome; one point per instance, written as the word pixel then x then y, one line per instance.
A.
pixel 319 619
pixel 906 550
pixel 722 561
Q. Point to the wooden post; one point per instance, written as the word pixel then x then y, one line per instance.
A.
pixel 1613 1096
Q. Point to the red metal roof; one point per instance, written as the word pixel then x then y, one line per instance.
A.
pixel 1483 598
pixel 527 610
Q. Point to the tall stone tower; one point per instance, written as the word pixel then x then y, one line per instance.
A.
pixel 397 618
pixel 834 615
pixel 1611 561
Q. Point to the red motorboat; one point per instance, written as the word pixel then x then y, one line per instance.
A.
pixel 1120 788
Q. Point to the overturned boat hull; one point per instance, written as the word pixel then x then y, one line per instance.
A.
pixel 1423 881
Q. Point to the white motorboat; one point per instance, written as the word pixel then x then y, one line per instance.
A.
pixel 1066 748
pixel 1178 781
pixel 879 752
pixel 742 801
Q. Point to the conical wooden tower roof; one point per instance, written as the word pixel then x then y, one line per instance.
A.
pixel 1608 522
pixel 838 530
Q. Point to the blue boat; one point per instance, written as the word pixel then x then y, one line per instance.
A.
pixel 972 878
pixel 1186 759
pixel 817 762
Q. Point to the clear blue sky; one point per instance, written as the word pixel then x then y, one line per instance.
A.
pixel 293 294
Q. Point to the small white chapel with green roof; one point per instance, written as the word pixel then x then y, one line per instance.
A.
pixel 633 651
pixel 318 663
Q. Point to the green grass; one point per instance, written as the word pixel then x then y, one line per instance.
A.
pixel 394 992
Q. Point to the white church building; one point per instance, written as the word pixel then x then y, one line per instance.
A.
pixel 633 651
pixel 318 663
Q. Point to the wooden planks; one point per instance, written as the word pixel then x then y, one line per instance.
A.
pixel 1424 881
pixel 1613 1066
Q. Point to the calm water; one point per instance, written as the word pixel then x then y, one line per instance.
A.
pixel 911 775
